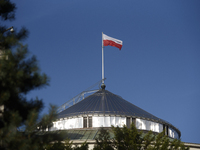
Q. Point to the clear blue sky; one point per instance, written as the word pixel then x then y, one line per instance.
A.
pixel 158 68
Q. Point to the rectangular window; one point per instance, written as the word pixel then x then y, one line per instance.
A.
pixel 90 122
pixel 165 127
pixel 84 122
pixel 128 122
pixel 134 121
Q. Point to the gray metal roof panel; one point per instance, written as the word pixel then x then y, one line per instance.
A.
pixel 105 102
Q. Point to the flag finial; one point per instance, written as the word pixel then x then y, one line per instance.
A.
pixel 103 86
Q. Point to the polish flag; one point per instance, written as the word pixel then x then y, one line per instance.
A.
pixel 107 40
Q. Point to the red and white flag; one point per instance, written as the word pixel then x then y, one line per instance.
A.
pixel 107 40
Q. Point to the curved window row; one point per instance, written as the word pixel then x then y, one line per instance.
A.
pixel 108 121
pixel 68 124
pixel 84 122
pixel 148 125
pixel 172 133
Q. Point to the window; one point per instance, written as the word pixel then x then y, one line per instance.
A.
pixel 90 122
pixel 134 121
pixel 84 122
pixel 165 127
pixel 128 122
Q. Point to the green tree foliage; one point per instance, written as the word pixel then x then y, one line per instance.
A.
pixel 132 139
pixel 7 10
pixel 18 76
pixel 58 145
pixel 126 138
pixel 103 141
pixel 84 146
pixel 8 39
pixel 65 145
pixel 21 126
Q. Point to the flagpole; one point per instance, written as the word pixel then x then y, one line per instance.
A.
pixel 102 61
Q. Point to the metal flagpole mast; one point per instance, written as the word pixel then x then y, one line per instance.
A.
pixel 102 61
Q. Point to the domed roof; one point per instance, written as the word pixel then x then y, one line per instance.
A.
pixel 106 103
